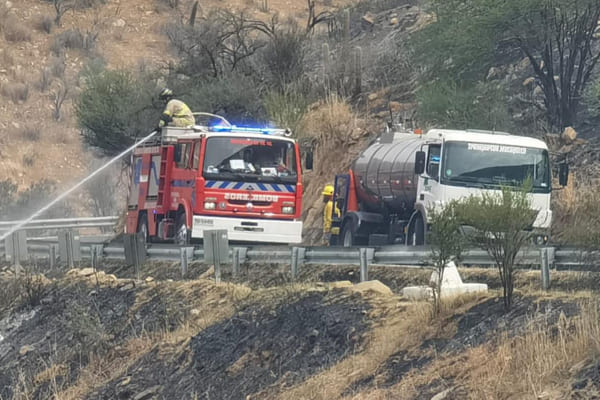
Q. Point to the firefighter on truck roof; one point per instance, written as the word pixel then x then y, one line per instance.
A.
pixel 176 112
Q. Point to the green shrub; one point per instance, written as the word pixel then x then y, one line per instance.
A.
pixel 114 108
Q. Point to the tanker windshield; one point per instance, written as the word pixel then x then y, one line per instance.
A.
pixel 488 164
pixel 238 158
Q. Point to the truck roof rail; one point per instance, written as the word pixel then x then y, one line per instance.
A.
pixel 487 131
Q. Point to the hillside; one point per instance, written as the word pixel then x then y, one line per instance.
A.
pixel 95 336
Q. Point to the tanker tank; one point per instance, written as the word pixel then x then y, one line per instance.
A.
pixel 385 174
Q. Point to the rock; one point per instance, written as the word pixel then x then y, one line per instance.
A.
pixel 523 64
pixel 86 272
pixel 119 23
pixel 528 81
pixel 125 381
pixel 368 18
pixel 207 273
pixel 313 333
pixel 8 5
pixel 372 96
pixel 147 393
pixel 493 73
pixel 128 286
pixel 149 279
pixel 340 284
pixel 26 349
pixel 373 286
pixel 195 311
pixel 394 21
pixel 569 135
pixel 442 395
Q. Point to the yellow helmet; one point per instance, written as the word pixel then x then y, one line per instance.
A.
pixel 328 190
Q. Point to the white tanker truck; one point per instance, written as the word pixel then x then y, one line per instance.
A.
pixel 385 196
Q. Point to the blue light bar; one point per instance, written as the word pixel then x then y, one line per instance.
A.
pixel 232 128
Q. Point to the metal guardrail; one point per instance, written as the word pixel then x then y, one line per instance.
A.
pixel 18 247
pixel 61 223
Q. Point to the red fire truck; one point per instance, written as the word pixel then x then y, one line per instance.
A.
pixel 245 180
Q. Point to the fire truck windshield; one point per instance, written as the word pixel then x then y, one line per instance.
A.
pixel 257 159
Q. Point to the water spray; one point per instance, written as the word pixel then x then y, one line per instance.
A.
pixel 77 186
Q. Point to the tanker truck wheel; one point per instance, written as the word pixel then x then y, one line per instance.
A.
pixel 347 236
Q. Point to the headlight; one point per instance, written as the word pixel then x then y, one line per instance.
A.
pixel 210 205
pixel 288 209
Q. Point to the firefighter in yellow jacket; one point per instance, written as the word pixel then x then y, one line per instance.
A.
pixel 328 213
pixel 176 112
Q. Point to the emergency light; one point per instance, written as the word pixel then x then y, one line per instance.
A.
pixel 266 131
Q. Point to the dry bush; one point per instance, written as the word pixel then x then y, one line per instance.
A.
pixel 31 133
pixel 45 24
pixel 15 32
pixel 74 39
pixel 17 92
pixel 45 79
pixel 29 159
pixel 57 66
pixel 7 60
pixel 548 355
pixel 577 214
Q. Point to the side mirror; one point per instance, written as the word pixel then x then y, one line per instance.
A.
pixel 563 174
pixel 308 164
pixel 419 162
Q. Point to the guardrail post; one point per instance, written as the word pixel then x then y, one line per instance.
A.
pixel 134 246
pixel 65 248
pixel 15 246
pixel 52 255
pixel 298 255
pixel 216 249
pixel 546 255
pixel 239 257
pixel 366 255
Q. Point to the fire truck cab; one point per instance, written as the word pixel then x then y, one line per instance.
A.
pixel 244 180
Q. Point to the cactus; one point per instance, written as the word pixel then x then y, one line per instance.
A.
pixel 325 49
pixel 358 68
pixel 193 14
pixel 346 25
pixel 264 6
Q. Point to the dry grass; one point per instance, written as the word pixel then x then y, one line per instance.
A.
pixel 17 92
pixel 333 121
pixel 15 32
pixel 548 356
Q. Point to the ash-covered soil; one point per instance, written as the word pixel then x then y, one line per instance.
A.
pixel 256 350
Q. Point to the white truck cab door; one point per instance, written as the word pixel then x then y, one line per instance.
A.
pixel 429 187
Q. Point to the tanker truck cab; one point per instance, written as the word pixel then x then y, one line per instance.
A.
pixel 399 177
pixel 459 164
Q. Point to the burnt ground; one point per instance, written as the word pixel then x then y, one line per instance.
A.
pixel 254 351
pixel 70 322
pixel 74 319
pixel 587 382
pixel 483 323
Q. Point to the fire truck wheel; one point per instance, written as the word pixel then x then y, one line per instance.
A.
pixel 143 226
pixel 182 233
